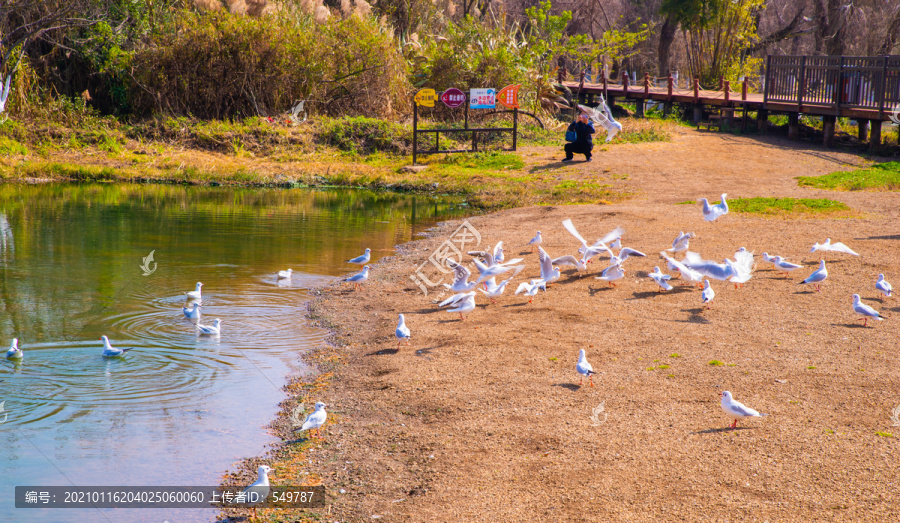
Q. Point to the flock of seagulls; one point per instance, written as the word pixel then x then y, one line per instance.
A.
pixel 692 269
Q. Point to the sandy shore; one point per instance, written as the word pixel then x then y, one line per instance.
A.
pixel 484 419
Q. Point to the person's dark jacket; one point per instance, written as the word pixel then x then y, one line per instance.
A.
pixel 583 132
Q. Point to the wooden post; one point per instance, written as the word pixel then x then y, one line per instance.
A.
pixel 727 90
pixel 721 82
pixel 625 84
pixel 696 90
pixel 698 114
pixel 515 126
pixel 671 84
pixel 744 89
pixel 646 84
pixel 793 126
pixel 415 129
pixel 604 79
pixel 762 121
pixel 639 107
pixel 828 130
pixel 862 129
pixel 875 137
pixel 768 80
pixel 801 84
pixel 883 89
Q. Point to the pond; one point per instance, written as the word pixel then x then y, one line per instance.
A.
pixel 179 409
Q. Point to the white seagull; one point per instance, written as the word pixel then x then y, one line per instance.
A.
pixel 682 242
pixel 194 294
pixel 467 304
pixel 833 247
pixel 599 246
pixel 456 298
pixel 785 266
pixel 257 492
pixel 460 278
pixel 661 279
pixel 537 240
pixel 708 294
pixel 362 259
pixel 498 252
pixel 611 274
pixel 549 273
pixel 492 260
pixel 359 277
pixel 14 352
pixel 490 272
pixel 193 313
pixel 402 331
pixel 768 259
pixel 584 368
pixel 883 286
pixel 603 116
pixel 111 352
pixel 743 265
pixel 530 289
pixel 316 419
pixel 736 409
pixel 712 212
pixel 687 274
pixel 864 310
pixel 817 277
pixel 210 330
pixel 494 290
pixel 285 275
pixel 710 269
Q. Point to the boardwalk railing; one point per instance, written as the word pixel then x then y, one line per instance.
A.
pixel 840 82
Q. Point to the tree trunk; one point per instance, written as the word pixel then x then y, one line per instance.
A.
pixel 832 18
pixel 893 33
pixel 666 37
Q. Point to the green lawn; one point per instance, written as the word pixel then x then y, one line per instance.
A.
pixel 881 176
pixel 772 206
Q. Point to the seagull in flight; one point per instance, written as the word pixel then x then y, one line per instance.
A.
pixel 682 242
pixel 494 290
pixel 832 247
pixel 460 278
pixel 687 274
pixel 549 273
pixel 466 304
pixel 530 289
pixel 737 410
pixel 661 279
pixel 713 212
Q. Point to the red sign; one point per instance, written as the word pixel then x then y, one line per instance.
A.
pixel 453 98
pixel 509 96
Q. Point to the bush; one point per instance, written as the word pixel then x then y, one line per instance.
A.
pixel 365 135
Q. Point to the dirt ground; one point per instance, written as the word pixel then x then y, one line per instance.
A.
pixel 484 419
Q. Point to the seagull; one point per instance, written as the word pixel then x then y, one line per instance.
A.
pixel 708 294
pixel 570 260
pixel 743 266
pixel 736 409
pixel 833 247
pixel 785 266
pixel 460 278
pixel 14 352
pixel 363 259
pixel 259 490
pixel 316 419
pixel 194 294
pixel 681 242
pixel 537 240
pixel 285 275
pixel 710 269
pixel 498 252
pixel 599 246
pixel 611 274
pixel 603 116
pixel 467 304
pixel 111 352
pixel 661 279
pixel 402 331
pixel 456 298
pixel 817 277
pixel 490 272
pixel 359 277
pixel 549 273
pixel 768 259
pixel 687 274
pixel 494 290
pixel 193 313
pixel 491 260
pixel 866 311
pixel 883 286
pixel 584 368
pixel 210 330
pixel 712 213
pixel 530 289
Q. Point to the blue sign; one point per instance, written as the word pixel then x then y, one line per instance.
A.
pixel 482 99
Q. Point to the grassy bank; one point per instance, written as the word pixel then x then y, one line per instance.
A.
pixel 347 152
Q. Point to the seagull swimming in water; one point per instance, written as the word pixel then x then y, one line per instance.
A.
pixel 194 294
pixel 737 410
pixel 193 313
pixel 210 330
pixel 713 212
pixel 285 275
pixel 362 259
pixel 402 331
pixel 14 352
pixel 111 352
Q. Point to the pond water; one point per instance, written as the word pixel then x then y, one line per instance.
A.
pixel 180 409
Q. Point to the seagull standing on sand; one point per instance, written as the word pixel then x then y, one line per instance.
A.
pixel 713 212
pixel 737 410
pixel 584 368
pixel 537 240
pixel 530 289
pixel 882 286
pixel 316 419
pixel 111 352
pixel 833 247
pixel 285 275
pixel 784 266
pixel 682 242
pixel 611 274
pixel 362 259
pixel 661 279
pixel 402 331
pixel 359 277
pixel 193 313
pixel 14 352
pixel 210 330
pixel 865 311
pixel 708 294
pixel 467 304
pixel 259 490
pixel 768 259
pixel 194 294
pixel 817 277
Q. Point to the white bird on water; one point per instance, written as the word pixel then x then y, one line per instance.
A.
pixel 784 266
pixel 285 275
pixel 865 311
pixel 402 331
pixel 210 330
pixel 362 259
pixel 316 419
pixel 467 304
pixel 882 286
pixel 737 410
pixel 832 247
pixel 708 294
pixel 537 240
pixel 14 352
pixel 194 294
pixel 359 277
pixel 193 313
pixel 661 279
pixel 713 212
pixel 584 368
pixel 682 242
pixel 817 277
pixel 111 352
